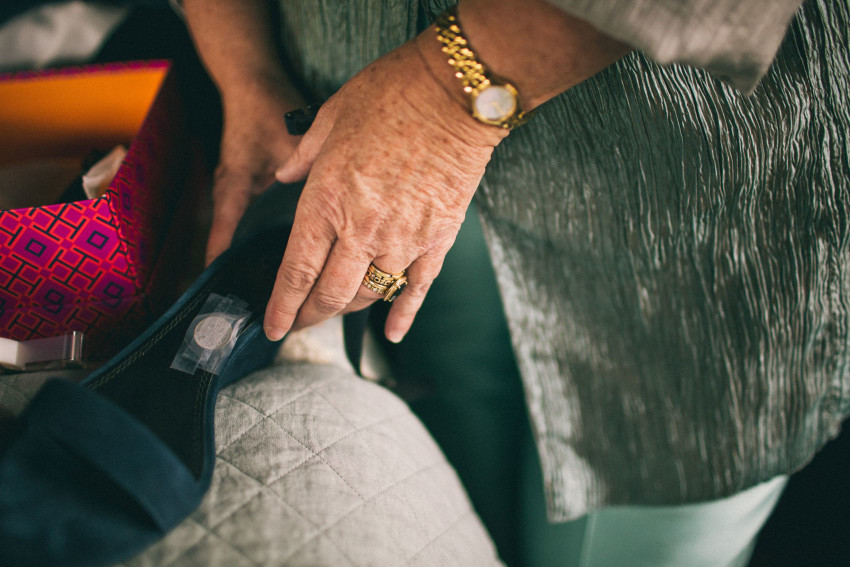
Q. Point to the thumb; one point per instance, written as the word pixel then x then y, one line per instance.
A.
pixel 301 161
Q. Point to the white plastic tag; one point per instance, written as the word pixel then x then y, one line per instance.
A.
pixel 37 354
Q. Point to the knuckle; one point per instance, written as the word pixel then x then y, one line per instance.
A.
pixel 240 181
pixel 298 278
pixel 417 290
pixel 326 303
pixel 280 312
pixel 221 173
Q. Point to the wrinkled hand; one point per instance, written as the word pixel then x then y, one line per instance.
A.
pixel 393 163
pixel 254 143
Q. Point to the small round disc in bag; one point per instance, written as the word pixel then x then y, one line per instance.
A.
pixel 212 332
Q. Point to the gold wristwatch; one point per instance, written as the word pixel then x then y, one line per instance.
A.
pixel 491 100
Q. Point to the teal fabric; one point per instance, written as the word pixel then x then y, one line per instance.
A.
pixel 457 368
pixel 458 371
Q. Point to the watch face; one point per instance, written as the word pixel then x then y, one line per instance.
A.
pixel 495 103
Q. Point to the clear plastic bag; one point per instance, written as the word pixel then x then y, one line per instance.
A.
pixel 212 335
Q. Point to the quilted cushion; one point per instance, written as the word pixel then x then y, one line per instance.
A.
pixel 317 466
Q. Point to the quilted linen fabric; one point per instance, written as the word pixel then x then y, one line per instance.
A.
pixel 316 466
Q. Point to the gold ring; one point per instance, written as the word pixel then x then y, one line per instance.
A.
pixel 388 285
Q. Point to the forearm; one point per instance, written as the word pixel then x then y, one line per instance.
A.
pixel 541 49
pixel 236 42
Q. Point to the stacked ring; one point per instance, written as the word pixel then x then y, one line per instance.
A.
pixel 388 285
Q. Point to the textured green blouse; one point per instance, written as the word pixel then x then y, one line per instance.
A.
pixel 672 254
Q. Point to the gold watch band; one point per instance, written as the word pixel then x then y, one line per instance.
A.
pixel 472 73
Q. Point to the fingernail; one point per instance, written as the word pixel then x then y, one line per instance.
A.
pixel 282 174
pixel 274 334
pixel 395 336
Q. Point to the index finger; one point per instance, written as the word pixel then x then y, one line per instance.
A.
pixel 303 261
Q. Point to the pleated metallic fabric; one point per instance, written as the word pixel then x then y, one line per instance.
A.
pixel 672 255
pixel 735 41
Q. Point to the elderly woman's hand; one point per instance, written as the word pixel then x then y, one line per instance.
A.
pixel 394 158
pixel 254 143
pixel 393 163
pixel 235 39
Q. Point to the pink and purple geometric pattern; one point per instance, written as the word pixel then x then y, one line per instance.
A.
pixel 61 265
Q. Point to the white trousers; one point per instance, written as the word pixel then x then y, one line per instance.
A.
pixel 720 533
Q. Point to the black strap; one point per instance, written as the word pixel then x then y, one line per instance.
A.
pixel 299 121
